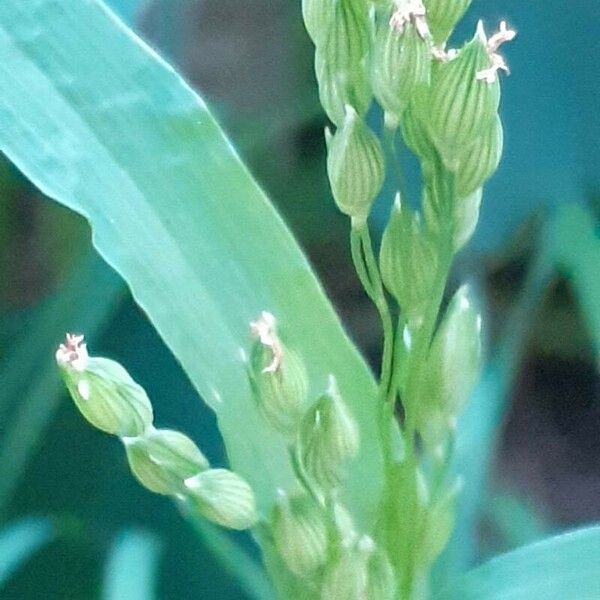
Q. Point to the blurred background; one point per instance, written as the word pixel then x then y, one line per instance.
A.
pixel 535 261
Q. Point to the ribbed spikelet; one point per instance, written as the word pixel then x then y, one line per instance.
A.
pixel 462 107
pixel 163 459
pixel 400 66
pixel 223 497
pixel 443 15
pixel 328 437
pixel 480 161
pixel 341 60
pixel 355 165
pixel 300 533
pixel 103 391
pixel 408 261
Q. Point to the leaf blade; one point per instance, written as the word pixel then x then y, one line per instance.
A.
pixel 117 136
pixel 19 540
pixel 551 569
pixel 131 569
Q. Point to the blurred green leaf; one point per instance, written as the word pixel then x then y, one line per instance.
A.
pixel 564 567
pixel 116 135
pixel 131 570
pixel 19 540
pixel 568 242
pixel 516 520
pixel 575 246
pixel 234 559
pixel 128 10
pixel 479 425
pixel 31 385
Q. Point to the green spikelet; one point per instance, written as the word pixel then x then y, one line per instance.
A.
pixel 162 459
pixel 480 161
pixel 356 167
pixel 400 67
pixel 278 377
pixel 408 261
pixel 341 60
pixel 443 15
pixel 300 533
pixel 223 497
pixel 103 391
pixel 462 107
pixel 328 437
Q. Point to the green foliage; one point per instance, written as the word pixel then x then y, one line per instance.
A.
pixel 19 540
pixel 163 218
pixel 556 569
pixel 132 567
pixel 234 559
pixel 335 518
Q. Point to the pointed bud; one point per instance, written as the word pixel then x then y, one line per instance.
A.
pixel 341 59
pixel 481 160
pixel 443 15
pixel 414 132
pixel 223 497
pixel 361 571
pixel 464 214
pixel 462 106
pixel 278 378
pixel 338 89
pixel 300 533
pixel 433 424
pixel 329 436
pixel 344 524
pixel 356 167
pixel 162 459
pixel 438 526
pixel 345 578
pixel 455 355
pixel 316 15
pixel 380 580
pixel 401 65
pixel 103 391
pixel 408 261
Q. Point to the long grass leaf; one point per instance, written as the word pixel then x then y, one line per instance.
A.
pixel 96 120
pixel 234 560
pixel 19 540
pixel 564 567
pixel 131 570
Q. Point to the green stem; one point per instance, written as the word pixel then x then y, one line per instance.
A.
pixel 302 477
pixel 422 339
pixel 368 272
pixel 383 309
pixel 359 263
pixel 388 141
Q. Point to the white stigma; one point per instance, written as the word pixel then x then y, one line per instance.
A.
pixel 265 330
pixel 73 352
pixel 497 62
pixel 411 12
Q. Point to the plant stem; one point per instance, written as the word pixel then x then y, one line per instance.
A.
pixel 444 189
pixel 388 141
pixel 368 272
pixel 302 477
